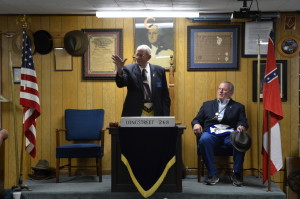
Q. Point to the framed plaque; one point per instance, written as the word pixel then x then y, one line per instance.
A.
pixel 63 60
pixel 17 75
pixel 103 43
pixel 290 23
pixel 254 31
pixel 213 47
pixel 288 46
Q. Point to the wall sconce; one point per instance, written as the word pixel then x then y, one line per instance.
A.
pixel 145 13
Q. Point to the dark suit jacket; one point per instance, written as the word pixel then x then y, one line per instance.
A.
pixel 234 115
pixel 132 78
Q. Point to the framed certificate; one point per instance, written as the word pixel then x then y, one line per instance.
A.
pixel 213 47
pixel 254 31
pixel 63 60
pixel 17 75
pixel 103 43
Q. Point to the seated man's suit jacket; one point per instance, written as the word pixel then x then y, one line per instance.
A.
pixel 234 115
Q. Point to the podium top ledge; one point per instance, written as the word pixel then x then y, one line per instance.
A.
pixel 155 121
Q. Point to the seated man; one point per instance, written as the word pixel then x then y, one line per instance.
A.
pixel 3 135
pixel 216 120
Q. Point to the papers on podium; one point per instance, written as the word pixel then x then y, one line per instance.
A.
pixel 157 121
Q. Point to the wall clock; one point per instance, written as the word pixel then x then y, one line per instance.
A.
pixel 288 46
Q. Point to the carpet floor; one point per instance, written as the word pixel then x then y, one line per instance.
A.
pixel 87 187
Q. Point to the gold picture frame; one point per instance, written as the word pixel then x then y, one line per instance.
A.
pixel 96 61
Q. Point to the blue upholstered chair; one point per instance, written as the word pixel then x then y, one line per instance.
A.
pixel 85 138
pixel 219 151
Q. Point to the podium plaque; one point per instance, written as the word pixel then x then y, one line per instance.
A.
pixel 147 121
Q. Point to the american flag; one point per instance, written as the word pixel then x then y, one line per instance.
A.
pixel 29 96
pixel 272 104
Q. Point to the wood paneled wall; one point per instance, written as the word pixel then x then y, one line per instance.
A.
pixel 66 89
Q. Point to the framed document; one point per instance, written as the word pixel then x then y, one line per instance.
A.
pixel 103 43
pixel 282 74
pixel 254 31
pixel 17 75
pixel 63 60
pixel 213 47
pixel 158 34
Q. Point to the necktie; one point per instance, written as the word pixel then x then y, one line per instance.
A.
pixel 147 92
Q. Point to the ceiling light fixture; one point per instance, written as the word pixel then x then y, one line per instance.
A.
pixel 145 13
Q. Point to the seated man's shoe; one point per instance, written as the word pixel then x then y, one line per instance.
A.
pixel 212 180
pixel 236 179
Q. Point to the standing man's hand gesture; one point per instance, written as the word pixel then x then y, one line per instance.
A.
pixel 119 63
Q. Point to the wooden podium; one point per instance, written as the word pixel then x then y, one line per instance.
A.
pixel 120 178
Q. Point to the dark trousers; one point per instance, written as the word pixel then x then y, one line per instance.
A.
pixel 208 142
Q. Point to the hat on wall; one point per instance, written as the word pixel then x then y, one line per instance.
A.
pixel 43 42
pixel 240 140
pixel 76 42
pixel 17 41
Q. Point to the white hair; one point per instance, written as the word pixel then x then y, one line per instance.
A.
pixel 144 47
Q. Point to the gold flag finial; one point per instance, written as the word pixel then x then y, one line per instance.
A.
pixel 23 20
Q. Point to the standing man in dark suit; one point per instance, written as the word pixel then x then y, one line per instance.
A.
pixel 147 91
pixel 216 120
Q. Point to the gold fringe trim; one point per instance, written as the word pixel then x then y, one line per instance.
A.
pixel 149 192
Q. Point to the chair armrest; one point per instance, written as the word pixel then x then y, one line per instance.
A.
pixel 197 137
pixel 57 135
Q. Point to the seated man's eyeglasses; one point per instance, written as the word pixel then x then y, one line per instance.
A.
pixel 223 89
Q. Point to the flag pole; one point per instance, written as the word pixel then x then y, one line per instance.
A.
pixel 269 152
pixel 171 84
pixel 258 105
pixel 9 36
pixel 20 186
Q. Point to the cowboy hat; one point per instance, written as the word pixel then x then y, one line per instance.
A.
pixel 17 41
pixel 42 165
pixel 41 171
pixel 43 42
pixel 41 174
pixel 293 180
pixel 240 140
pixel 76 42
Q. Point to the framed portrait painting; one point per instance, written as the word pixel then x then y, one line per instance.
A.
pixel 282 74
pixel 96 61
pixel 158 34
pixel 213 47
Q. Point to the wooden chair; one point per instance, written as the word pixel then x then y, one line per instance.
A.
pixel 83 128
